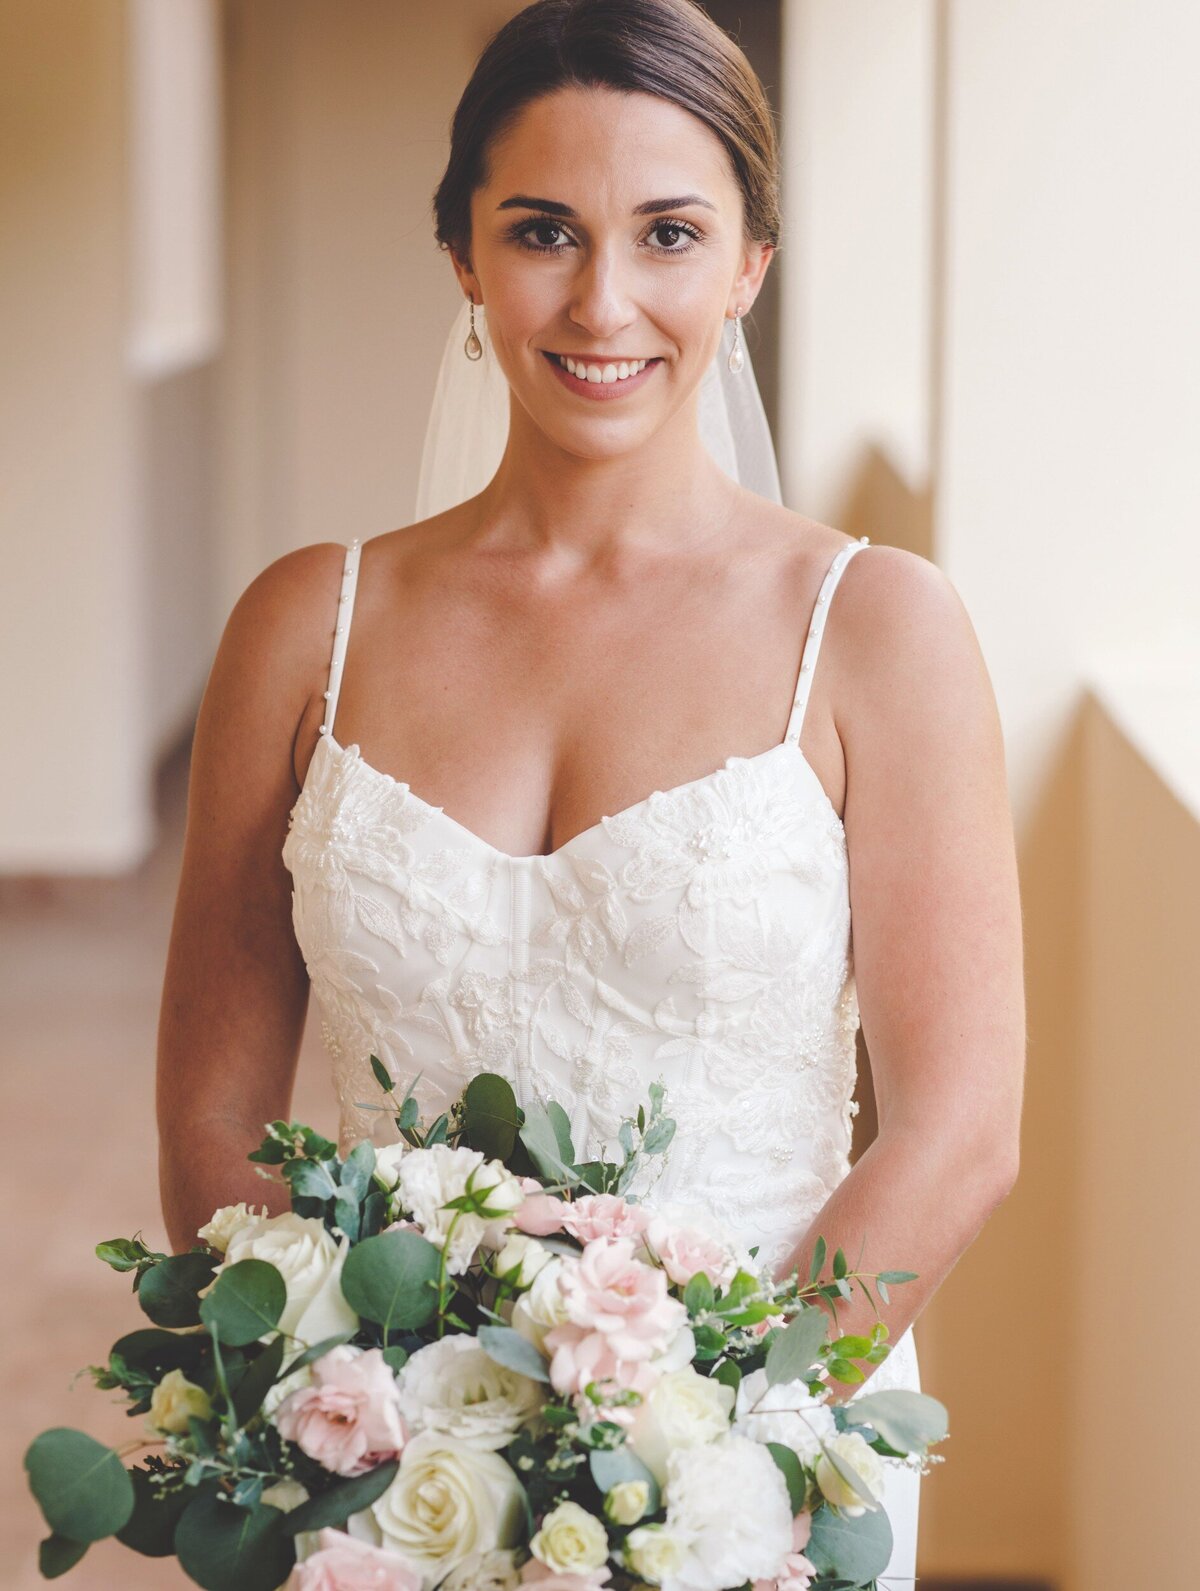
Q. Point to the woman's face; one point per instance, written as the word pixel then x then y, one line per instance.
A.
pixel 610 231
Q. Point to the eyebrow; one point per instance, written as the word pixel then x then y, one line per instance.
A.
pixel 522 201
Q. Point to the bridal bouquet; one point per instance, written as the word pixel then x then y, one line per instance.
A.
pixel 467 1361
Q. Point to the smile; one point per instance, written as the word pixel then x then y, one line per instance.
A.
pixel 594 379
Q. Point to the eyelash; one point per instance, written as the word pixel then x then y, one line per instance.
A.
pixel 520 232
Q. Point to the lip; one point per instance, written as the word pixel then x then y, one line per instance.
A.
pixel 599 391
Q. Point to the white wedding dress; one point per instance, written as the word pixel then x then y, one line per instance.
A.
pixel 701 937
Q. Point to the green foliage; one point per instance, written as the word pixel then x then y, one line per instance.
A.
pixel 222 1545
pixel 169 1292
pixel 854 1551
pixel 245 1303
pixel 81 1486
pixel 491 1119
pixel 698 1295
pixel 57 1554
pixel 792 1471
pixel 508 1348
pixel 795 1350
pixel 127 1254
pixel 251 1387
pixel 392 1280
pixel 334 1507
pixel 908 1421
pixel 151 1527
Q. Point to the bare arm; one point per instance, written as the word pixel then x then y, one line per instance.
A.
pixel 236 989
pixel 937 935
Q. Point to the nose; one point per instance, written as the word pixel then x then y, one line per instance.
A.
pixel 600 303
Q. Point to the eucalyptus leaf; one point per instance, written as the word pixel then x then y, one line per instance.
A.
pixel 854 1550
pixel 358 1169
pixel 698 1294
pixel 391 1279
pixel 245 1303
pixel 317 1351
pixel 221 1545
pixel 795 1350
pixel 907 1421
pixel 508 1348
pixel 490 1116
pixel 57 1554
pixel 169 1292
pixel 81 1486
pixel 541 1140
pixel 792 1471
pixel 257 1380
pixel 818 1259
pixel 150 1529
pixel 382 1075
pixel 334 1507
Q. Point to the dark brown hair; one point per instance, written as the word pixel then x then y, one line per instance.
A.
pixel 669 48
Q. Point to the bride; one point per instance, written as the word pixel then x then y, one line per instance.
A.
pixel 549 782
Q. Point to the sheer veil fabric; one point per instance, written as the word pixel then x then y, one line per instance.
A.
pixel 468 422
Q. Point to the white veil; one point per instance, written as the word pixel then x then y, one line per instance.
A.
pixel 468 422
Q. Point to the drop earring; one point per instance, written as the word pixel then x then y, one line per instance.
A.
pixel 737 358
pixel 473 348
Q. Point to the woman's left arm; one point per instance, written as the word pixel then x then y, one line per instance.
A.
pixel 937 934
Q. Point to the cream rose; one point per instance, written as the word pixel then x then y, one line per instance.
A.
pixel 448 1502
pixel 174 1400
pixel 652 1552
pixel 571 1541
pixel 310 1262
pixel 626 1502
pixel 485 1571
pixel 226 1222
pixel 453 1386
pixel 542 1306
pixel 523 1254
pixel 853 1448
pixel 682 1409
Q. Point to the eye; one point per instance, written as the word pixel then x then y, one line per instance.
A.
pixel 678 229
pixel 524 230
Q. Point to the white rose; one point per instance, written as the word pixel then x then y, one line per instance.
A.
pixel 682 1409
pixel 523 1252
pixel 542 1307
pixel 571 1541
pixel 448 1503
pixel 430 1178
pixel 387 1163
pixel 652 1552
pixel 728 1504
pixel 853 1449
pixel 226 1223
pixel 626 1502
pixel 174 1400
pixel 786 1413
pixel 310 1262
pixel 485 1571
pixel 453 1386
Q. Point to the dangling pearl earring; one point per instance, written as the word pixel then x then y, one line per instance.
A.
pixel 737 358
pixel 473 348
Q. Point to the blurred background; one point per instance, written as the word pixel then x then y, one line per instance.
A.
pixel 221 312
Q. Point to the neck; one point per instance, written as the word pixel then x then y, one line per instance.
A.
pixel 667 494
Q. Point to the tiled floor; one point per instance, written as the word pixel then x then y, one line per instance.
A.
pixel 81 967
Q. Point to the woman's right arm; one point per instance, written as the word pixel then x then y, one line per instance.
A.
pixel 235 991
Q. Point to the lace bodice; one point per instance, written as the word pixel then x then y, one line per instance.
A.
pixel 700 937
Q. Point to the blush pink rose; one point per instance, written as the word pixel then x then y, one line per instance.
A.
pixel 607 1290
pixel 604 1215
pixel 684 1250
pixel 581 1358
pixel 797 1573
pixel 349 1418
pixel 541 1213
pixel 547 1579
pixel 345 1564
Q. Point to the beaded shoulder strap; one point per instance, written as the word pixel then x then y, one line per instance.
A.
pixel 345 610
pixel 816 630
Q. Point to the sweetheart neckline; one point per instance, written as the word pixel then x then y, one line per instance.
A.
pixel 352 750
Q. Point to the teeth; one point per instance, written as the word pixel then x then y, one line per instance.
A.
pixel 605 374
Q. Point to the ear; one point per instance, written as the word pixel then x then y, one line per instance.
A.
pixel 466 276
pixel 749 280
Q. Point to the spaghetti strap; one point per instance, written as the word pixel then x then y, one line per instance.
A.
pixel 341 634
pixel 816 630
